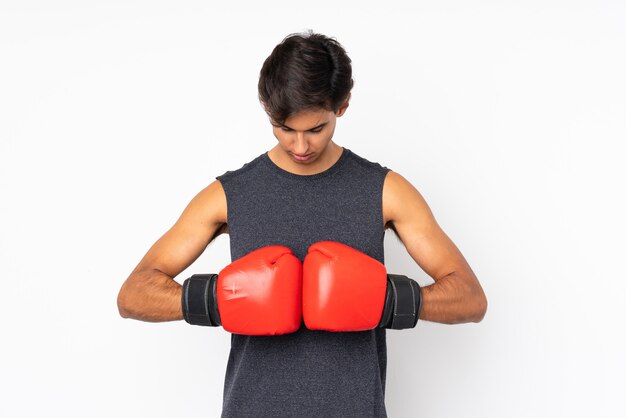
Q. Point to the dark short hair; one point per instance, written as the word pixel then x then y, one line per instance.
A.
pixel 305 71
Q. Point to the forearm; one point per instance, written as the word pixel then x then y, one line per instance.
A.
pixel 450 300
pixel 151 296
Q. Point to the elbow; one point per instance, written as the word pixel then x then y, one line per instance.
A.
pixel 481 308
pixel 122 305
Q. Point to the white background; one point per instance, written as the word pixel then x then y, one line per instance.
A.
pixel 509 117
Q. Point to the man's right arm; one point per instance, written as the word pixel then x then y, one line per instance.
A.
pixel 150 293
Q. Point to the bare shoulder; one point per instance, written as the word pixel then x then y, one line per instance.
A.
pixel 401 199
pixel 202 220
pixel 205 215
pixel 212 200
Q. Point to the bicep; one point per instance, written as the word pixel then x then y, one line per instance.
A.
pixel 200 222
pixel 414 223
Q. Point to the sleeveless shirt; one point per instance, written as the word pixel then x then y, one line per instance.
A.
pixel 307 373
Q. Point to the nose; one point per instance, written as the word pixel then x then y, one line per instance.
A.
pixel 301 145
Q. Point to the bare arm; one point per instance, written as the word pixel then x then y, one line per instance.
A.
pixel 456 296
pixel 150 292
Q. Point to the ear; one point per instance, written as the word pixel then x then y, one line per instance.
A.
pixel 344 106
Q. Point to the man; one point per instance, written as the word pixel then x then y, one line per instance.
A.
pixel 306 296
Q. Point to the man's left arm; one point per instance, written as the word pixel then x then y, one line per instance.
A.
pixel 456 296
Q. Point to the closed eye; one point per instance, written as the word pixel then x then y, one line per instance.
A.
pixel 315 131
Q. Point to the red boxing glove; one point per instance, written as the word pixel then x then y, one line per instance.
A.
pixel 344 289
pixel 257 294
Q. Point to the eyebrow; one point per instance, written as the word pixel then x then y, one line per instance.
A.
pixel 315 127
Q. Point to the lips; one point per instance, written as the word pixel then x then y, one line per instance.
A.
pixel 302 157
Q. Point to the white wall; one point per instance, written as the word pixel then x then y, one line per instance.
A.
pixel 509 117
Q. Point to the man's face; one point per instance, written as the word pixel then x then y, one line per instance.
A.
pixel 304 137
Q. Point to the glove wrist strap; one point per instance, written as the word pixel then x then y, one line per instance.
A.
pixel 199 301
pixel 403 302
